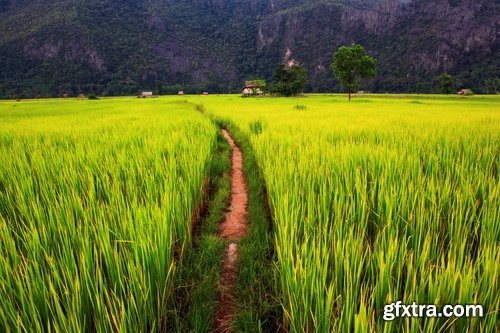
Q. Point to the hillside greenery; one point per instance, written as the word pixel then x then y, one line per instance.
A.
pixel 121 47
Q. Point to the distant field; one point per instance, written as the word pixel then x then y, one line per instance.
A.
pixel 386 198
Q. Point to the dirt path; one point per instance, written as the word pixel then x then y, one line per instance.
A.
pixel 233 228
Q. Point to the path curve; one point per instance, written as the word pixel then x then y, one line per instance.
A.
pixel 233 228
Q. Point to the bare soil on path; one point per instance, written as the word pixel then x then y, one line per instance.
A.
pixel 233 228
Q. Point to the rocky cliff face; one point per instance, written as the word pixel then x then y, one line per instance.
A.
pixel 413 40
pixel 118 47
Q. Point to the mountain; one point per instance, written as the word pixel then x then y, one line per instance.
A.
pixel 113 47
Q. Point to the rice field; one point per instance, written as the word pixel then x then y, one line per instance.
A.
pixel 379 200
pixel 384 199
pixel 95 208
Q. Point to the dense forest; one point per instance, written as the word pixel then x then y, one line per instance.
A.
pixel 121 47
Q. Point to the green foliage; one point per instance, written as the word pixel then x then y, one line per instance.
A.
pixel 256 127
pixel 159 88
pixel 492 86
pixel 447 83
pixel 142 42
pixel 92 96
pixel 289 81
pixel 352 63
pixel 196 295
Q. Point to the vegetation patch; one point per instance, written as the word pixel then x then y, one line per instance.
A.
pixel 256 127
pixel 351 207
pixel 196 294
pixel 97 200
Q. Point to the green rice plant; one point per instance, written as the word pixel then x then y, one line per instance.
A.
pixel 372 202
pixel 377 202
pixel 256 127
pixel 95 211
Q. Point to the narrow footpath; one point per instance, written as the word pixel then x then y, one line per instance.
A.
pixel 233 228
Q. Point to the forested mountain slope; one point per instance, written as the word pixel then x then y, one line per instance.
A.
pixel 113 47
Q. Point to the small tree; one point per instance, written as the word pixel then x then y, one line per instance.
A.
pixel 447 83
pixel 289 81
pixel 352 63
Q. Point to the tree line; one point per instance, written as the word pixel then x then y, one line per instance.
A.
pixel 350 65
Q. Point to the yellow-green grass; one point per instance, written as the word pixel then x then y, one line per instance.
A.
pixel 382 199
pixel 96 199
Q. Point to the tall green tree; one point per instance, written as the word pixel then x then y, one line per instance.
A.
pixel 351 64
pixel 289 81
pixel 447 83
